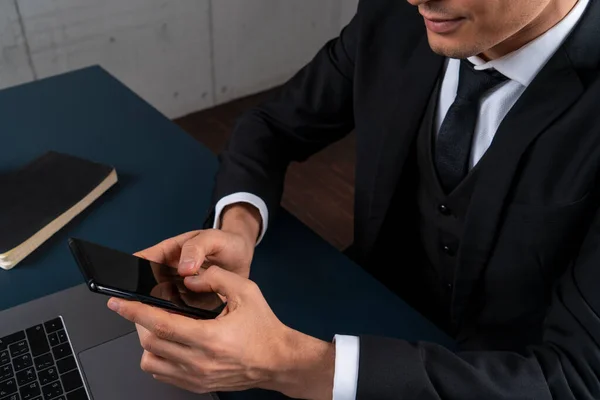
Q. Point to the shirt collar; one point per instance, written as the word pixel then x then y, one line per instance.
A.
pixel 523 65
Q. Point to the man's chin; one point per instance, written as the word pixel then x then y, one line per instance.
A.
pixel 450 48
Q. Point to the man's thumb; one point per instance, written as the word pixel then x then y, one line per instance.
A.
pixel 193 254
pixel 216 279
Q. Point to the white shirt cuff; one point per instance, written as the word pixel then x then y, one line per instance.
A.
pixel 243 197
pixel 345 378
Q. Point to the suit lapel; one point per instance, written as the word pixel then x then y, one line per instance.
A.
pixel 417 81
pixel 551 93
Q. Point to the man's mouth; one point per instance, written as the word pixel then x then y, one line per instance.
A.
pixel 442 25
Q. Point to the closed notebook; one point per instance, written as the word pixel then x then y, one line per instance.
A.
pixel 42 197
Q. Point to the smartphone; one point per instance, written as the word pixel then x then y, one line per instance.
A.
pixel 118 274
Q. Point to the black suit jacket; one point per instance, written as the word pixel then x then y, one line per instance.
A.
pixel 527 289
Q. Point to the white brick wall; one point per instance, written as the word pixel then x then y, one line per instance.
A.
pixel 179 55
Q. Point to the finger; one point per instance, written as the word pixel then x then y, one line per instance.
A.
pixel 205 300
pixel 167 326
pixel 221 281
pixel 170 351
pixel 168 251
pixel 195 251
pixel 152 364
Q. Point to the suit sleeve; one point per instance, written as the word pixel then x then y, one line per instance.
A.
pixel 566 365
pixel 312 110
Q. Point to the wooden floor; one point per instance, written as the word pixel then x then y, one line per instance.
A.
pixel 320 191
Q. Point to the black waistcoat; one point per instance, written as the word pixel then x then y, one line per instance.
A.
pixel 427 263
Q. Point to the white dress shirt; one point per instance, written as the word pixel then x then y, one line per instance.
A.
pixel 520 67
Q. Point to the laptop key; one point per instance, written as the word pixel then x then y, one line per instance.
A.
pixel 8 387
pixel 28 392
pixel 6 372
pixel 37 340
pixel 14 396
pixel 43 362
pixel 22 362
pixel 25 376
pixel 62 336
pixel 78 394
pixel 19 348
pixel 53 325
pixel 53 339
pixel 47 375
pixel 66 364
pixel 52 390
pixel 61 351
pixel 71 380
pixel 4 357
pixel 15 337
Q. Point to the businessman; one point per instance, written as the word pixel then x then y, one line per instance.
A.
pixel 478 161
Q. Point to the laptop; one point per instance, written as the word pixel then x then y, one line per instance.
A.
pixel 70 346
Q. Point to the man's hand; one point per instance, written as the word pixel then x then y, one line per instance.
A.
pixel 231 247
pixel 245 347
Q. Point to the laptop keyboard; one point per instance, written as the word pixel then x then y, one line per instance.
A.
pixel 38 364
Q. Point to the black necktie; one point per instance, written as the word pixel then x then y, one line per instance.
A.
pixel 453 142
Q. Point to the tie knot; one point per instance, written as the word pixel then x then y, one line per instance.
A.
pixel 472 84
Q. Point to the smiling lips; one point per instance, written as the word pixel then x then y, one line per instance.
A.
pixel 442 25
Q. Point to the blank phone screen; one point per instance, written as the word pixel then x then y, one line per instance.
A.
pixel 118 270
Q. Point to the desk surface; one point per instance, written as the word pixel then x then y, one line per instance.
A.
pixel 164 189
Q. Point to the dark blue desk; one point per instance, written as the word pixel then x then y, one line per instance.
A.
pixel 164 189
